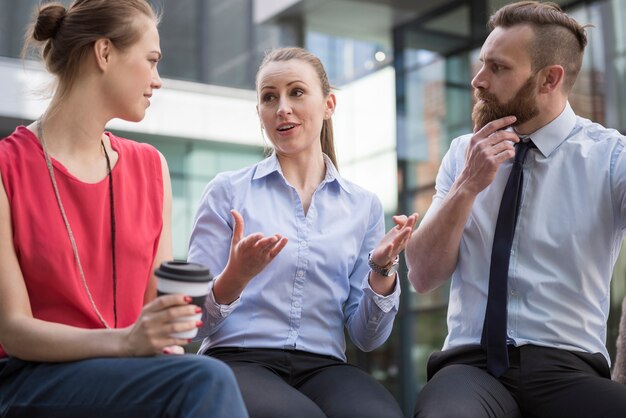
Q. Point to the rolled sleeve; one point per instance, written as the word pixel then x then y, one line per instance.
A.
pixel 213 313
pixel 370 315
pixel 384 303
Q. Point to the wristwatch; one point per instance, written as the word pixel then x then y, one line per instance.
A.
pixel 386 270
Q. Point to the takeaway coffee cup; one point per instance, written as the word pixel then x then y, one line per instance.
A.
pixel 190 279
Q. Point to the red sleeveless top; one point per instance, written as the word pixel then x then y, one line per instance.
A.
pixel 42 244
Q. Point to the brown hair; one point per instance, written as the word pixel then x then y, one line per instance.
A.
pixel 558 38
pixel 293 53
pixel 65 36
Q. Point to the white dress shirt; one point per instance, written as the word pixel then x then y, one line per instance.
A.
pixel 570 228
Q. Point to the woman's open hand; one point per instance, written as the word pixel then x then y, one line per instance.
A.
pixel 388 249
pixel 394 242
pixel 248 257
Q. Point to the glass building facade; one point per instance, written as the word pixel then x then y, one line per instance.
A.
pixel 402 71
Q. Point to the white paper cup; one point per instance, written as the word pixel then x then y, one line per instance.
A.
pixel 190 279
pixel 192 332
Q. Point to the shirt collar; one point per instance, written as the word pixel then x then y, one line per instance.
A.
pixel 550 136
pixel 271 165
pixel 267 167
pixel 332 174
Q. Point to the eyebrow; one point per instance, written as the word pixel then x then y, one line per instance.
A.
pixel 495 59
pixel 269 86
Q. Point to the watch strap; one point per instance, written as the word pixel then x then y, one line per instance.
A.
pixel 386 270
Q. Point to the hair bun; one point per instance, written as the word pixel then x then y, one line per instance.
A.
pixel 49 21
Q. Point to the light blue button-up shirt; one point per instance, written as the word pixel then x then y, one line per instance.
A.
pixel 570 227
pixel 316 285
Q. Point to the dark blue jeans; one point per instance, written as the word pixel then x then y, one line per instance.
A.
pixel 164 386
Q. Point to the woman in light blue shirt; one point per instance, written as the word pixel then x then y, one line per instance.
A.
pixel 315 260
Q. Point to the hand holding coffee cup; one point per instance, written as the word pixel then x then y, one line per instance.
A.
pixel 182 277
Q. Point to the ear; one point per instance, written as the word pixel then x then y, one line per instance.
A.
pixel 102 49
pixel 551 78
pixel 331 104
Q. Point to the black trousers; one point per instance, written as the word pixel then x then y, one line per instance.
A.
pixel 541 382
pixel 287 384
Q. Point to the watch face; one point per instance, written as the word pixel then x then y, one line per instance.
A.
pixel 392 270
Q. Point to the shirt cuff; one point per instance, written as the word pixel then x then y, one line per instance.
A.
pixel 215 309
pixel 385 303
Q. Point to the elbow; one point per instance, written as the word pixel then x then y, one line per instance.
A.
pixel 12 348
pixel 14 339
pixel 426 274
pixel 367 346
pixel 414 273
pixel 420 284
pixel 6 339
pixel 425 280
pixel 374 337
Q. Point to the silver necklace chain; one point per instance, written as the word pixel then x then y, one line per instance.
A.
pixel 69 229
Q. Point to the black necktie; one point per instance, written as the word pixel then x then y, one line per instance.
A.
pixel 494 338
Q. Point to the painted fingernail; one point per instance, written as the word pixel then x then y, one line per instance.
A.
pixel 189 340
pixel 166 351
pixel 188 299
pixel 198 309
pixel 199 324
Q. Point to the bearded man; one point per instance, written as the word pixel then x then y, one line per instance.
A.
pixel 528 219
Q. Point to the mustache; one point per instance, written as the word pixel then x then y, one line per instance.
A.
pixel 483 95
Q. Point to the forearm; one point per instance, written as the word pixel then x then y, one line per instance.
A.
pixel 383 285
pixel 432 251
pixel 228 288
pixel 36 340
pixel 372 322
pixel 214 313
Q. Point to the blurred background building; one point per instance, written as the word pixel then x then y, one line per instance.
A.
pixel 402 69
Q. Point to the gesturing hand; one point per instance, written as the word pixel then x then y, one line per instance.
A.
pixel 388 249
pixel 488 148
pixel 248 257
pixel 390 246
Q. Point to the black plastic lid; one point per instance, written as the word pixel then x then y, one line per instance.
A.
pixel 183 271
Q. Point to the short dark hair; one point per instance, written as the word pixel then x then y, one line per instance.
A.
pixel 558 38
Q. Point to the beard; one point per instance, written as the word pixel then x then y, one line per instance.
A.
pixel 523 105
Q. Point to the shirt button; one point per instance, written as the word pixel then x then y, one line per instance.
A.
pixel 300 273
pixel 296 304
pixel 513 292
pixel 303 244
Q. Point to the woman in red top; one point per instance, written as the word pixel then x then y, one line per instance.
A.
pixel 85 217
